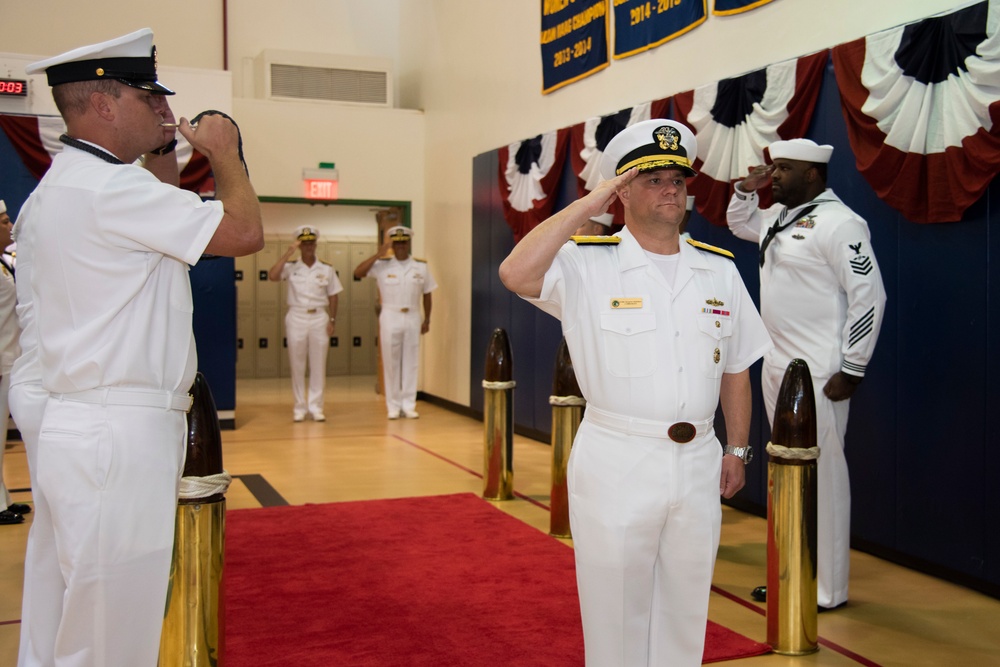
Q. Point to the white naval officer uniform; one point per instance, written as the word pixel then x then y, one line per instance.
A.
pixel 645 510
pixel 309 292
pixel 8 353
pixel 116 351
pixel 823 301
pixel 401 287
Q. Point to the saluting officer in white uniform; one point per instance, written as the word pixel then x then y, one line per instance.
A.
pixel 403 284
pixel 659 330
pixel 112 303
pixel 822 299
pixel 10 512
pixel 311 319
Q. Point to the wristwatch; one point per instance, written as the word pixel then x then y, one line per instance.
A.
pixel 745 453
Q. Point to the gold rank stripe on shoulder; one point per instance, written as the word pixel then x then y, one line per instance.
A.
pixel 596 240
pixel 711 248
pixel 420 259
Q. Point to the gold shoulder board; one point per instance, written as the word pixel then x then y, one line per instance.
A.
pixel 596 240
pixel 711 248
pixel 420 259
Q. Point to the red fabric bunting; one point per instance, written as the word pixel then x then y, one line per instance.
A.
pixel 782 109
pixel 522 218
pixel 928 171
pixel 24 135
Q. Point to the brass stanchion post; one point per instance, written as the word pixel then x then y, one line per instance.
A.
pixel 194 621
pixel 498 419
pixel 791 516
pixel 567 410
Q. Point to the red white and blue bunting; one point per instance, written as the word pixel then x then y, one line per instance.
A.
pixel 736 119
pixel 36 140
pixel 529 176
pixel 922 105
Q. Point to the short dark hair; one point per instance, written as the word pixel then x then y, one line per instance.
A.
pixel 72 98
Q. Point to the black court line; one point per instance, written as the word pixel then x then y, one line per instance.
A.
pixel 259 487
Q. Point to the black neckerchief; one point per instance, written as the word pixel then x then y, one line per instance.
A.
pixel 88 148
pixel 7 266
pixel 778 227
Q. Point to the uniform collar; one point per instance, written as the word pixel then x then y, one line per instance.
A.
pixel 632 256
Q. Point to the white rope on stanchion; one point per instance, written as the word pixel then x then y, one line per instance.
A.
pixel 567 401
pixel 793 453
pixel 509 384
pixel 204 487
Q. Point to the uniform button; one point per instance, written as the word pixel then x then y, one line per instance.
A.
pixel 677 334
pixel 680 369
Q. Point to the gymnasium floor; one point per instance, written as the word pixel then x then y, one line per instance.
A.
pixel 895 616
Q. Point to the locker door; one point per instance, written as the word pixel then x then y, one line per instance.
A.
pixel 364 326
pixel 267 341
pixel 338 255
pixel 246 314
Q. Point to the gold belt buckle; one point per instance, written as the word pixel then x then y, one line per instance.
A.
pixel 404 310
pixel 312 310
pixel 682 432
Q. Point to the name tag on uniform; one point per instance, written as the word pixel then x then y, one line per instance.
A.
pixel 627 302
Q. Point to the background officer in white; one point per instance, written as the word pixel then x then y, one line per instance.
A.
pixel 313 287
pixel 822 299
pixel 403 284
pixel 112 303
pixel 659 331
pixel 10 512
pixel 599 225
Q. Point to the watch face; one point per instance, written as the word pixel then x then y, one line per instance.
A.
pixel 748 457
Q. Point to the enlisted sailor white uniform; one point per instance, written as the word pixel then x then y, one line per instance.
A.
pixel 401 286
pixel 9 332
pixel 309 292
pixel 822 299
pixel 116 351
pixel 644 509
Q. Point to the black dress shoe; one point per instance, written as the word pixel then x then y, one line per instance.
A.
pixel 8 517
pixel 759 594
pixel 19 508
pixel 821 609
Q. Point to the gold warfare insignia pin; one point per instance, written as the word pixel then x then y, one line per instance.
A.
pixel 714 302
pixel 667 137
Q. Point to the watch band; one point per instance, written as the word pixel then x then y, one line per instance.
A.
pixel 745 452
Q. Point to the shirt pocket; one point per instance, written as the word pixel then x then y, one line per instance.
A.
pixel 629 343
pixel 713 344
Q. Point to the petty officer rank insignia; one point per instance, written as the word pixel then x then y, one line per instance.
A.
pixel 596 240
pixel 860 264
pixel 710 248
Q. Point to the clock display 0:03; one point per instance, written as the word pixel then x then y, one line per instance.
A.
pixel 13 87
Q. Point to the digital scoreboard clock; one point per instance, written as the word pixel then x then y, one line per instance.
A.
pixel 13 88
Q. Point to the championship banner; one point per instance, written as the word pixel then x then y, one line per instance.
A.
pixel 643 24
pixel 728 7
pixel 922 103
pixel 574 41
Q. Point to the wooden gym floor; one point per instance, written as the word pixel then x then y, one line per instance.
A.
pixel 895 616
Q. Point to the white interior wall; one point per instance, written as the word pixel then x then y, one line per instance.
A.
pixel 473 67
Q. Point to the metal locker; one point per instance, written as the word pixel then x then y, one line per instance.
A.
pixel 364 323
pixel 267 341
pixel 246 315
pixel 337 254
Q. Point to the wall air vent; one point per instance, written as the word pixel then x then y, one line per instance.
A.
pixel 323 77
pixel 324 83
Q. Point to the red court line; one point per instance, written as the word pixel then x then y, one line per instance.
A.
pixel 837 648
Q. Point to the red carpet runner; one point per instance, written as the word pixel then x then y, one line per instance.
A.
pixel 443 580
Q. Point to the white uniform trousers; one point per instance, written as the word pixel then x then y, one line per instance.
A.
pixel 399 340
pixel 110 476
pixel 4 409
pixel 645 515
pixel 833 540
pixel 306 333
pixel 42 600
